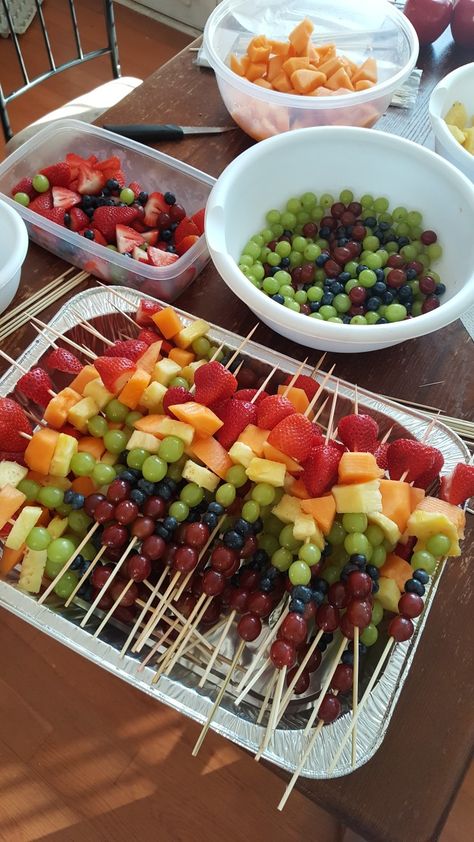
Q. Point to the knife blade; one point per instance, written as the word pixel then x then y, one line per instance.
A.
pixel 164 131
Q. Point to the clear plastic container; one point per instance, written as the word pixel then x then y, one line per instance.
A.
pixel 372 28
pixel 152 169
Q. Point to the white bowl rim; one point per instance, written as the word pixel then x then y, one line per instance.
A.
pixel 333 101
pixel 448 312
pixel 14 261
pixel 438 123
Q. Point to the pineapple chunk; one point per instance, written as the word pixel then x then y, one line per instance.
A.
pixel 152 397
pixel 388 527
pixel 289 481
pixel 66 447
pixel 32 569
pixel 423 524
pixel 95 389
pixel 306 528
pixel 165 370
pixel 388 594
pixel 201 476
pixel 468 142
pixel 363 497
pixel 241 454
pixel 457 133
pixel 457 115
pixel 187 335
pixel 188 371
pixel 288 509
pixel 109 458
pixel 81 412
pixel 11 473
pixel 23 525
pixel 57 526
pixel 264 470
pixel 59 482
pixel 145 441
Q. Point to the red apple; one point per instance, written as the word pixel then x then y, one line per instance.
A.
pixel 462 23
pixel 429 17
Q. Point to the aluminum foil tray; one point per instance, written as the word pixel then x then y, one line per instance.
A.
pixel 180 690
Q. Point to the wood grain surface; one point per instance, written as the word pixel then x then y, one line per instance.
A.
pixel 404 793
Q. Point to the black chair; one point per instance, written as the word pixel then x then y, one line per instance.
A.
pixel 78 58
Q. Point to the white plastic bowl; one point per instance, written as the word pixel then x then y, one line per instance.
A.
pixel 13 248
pixel 372 28
pixel 330 159
pixel 456 86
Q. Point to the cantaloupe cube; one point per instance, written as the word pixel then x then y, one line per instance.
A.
pixel 201 476
pixel 256 70
pixel 275 64
pixel 296 396
pixel 255 438
pixel 358 467
pixel 282 83
pixel 24 523
pixel 322 509
pixel 398 569
pixel 263 470
pixel 291 65
pixel 56 412
pixel 181 357
pixel 279 48
pixel 396 501
pixel 325 52
pixel 167 322
pixel 330 66
pixel 307 80
pixel 92 445
pixel 40 450
pixel 339 79
pixel 10 558
pixel 366 71
pixel 262 83
pixel 83 485
pixel 213 455
pixel 259 49
pixel 388 594
pixel 239 64
pixel 298 488
pixel 276 455
pixel 163 425
pixel 416 496
pixel 10 501
pixel 203 419
pixel 87 374
pixel 133 390
pixel 300 36
pixel 363 85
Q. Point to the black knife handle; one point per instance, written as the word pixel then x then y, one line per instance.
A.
pixel 148 132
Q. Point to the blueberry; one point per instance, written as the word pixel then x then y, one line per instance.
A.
pixel 170 523
pixel 112 184
pixel 361 268
pixel 382 321
pixel 405 293
pixel 261 557
pixel 375 586
pixel 278 298
pixel 89 212
pixel 421 576
pixel 404 241
pixel 314 306
pixel 327 283
pixel 327 637
pixel 321 585
pixel 380 275
pixel 210 520
pixel 174 226
pixel 388 297
pixel 170 249
pixel 285 262
pixel 215 508
pixel 78 501
pixel 379 288
pixel 342 241
pixel 322 259
pixel 362 648
pixel 266 585
pixel 348 568
pixel 169 198
pixel 411 274
pixel 302 592
pixel 162 532
pixel 327 298
pixel 85 592
pixel 166 235
pixel 370 222
pixel 373 303
pixel 96 538
pixel 372 571
pixel 440 289
pixel 137 496
pixel 87 201
pixel 346 320
pixel 257 526
pixel 358 559
pixel 414 586
pixel 77 563
pixel 347 658
pixel 128 476
pixel 68 496
pixel 146 486
pixel 384 226
pixel 324 233
pixel 162 490
pixel 317 596
pixel 336 288
pixel 297 606
pixel 193 516
pixel 287 234
pixel 233 540
pixel 143 198
pixel 408 306
pixel 122 458
pixel 344 277
pixel 242 526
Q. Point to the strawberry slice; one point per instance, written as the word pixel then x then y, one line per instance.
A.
pixel 140 254
pixel 25 185
pixel 198 219
pixel 139 226
pixel 157 257
pixel 13 421
pixel 90 180
pixel 117 175
pixel 293 436
pixel 36 385
pixel 186 228
pixel 410 457
pixel 132 349
pixel 78 220
pixel 272 410
pixel 175 395
pixel 127 238
pixel 429 476
pixel 248 394
pixel 112 163
pixel 155 205
pixel 213 383
pixel 107 217
pixel 458 487
pixel 65 198
pixel 358 432
pixel 115 372
pixel 145 310
pixel 186 243
pixel 236 417
pixel 58 175
pixel 54 214
pixel 42 202
pixel 380 454
pixel 60 359
pixel 135 186
pixel 98 237
pixel 149 337
pixel 150 237
pixel 320 469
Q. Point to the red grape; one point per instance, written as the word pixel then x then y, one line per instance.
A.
pixel 401 628
pixel 342 678
pixel 303 681
pixel 411 605
pixel 196 534
pixel 249 627
pixel 359 612
pixel 143 527
pixel 330 708
pixel 91 502
pixel 138 567
pixel 114 536
pixel 260 603
pixel 153 547
pixel 154 507
pixel 104 511
pixel 125 512
pixel 293 628
pixel 118 490
pixel 238 600
pixel 213 583
pixel 327 618
pixel 282 654
pixel 185 559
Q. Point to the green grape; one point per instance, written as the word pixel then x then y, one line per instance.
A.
pixel 97 426
pixel 175 470
pixel 252 249
pixel 287 291
pixel 127 195
pixel 192 495
pixel 50 496
pixel 327 311
pixel 250 511
pixel 423 560
pixel 282 558
pixel 381 205
pixel 296 259
pixel 65 585
pixel 372 317
pixel 225 494
pixel 388 546
pixel 273 259
pixel 339 556
pixel 371 243
pixel 201 346
pixel 374 535
pixel 346 197
pixel 367 201
pixel 38 538
pixel 89 551
pixel 115 441
pixel 309 553
pixel 291 304
pixel 103 474
pixel 237 476
pixel 379 556
pixel 311 252
pixel 367 278
pixel 315 293
pixel 22 199
pixel 272 524
pixel 316 316
pixel 354 522
pixel 63 509
pixel 299 573
pixel 30 489
pixel 268 543
pixel 79 521
pixel 438 545
pixel 373 261
pixel 179 510
pixel 270 285
pixel 369 635
pixel 134 416
pixel 171 449
pixel 82 464
pixel 414 218
pixel 263 493
pixel 154 469
pixel 342 302
pixel 326 200
pixel 309 200
pixel 40 183
pixel 337 534
pixel 180 381
pixel 283 248
pixel 136 457
pixel 287 538
pixel 377 612
pixel 358 320
pixel 395 312
pixel 356 543
pixel 116 411
pixel 60 550
pixel 331 574
pixel 52 568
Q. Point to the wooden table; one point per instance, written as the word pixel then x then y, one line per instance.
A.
pixel 406 790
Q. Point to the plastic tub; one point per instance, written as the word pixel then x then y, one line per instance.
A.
pixel 330 159
pixel 372 28
pixel 13 249
pixel 152 169
pixel 456 86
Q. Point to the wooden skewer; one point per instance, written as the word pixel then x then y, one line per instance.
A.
pixel 318 365
pixel 21 368
pixel 295 377
pixel 326 685
pixel 321 409
pixel 268 692
pixel 112 609
pixel 219 698
pixel 201 641
pixel 127 317
pixel 88 572
pixel 297 676
pixel 66 567
pixel 320 390
pixel 73 344
pixel 252 682
pixel 84 350
pixel 217 648
pixel 34 418
pixel 270 730
pixel 244 342
pixel 175 651
pixel 154 619
pixel 21 319
pixel 297 771
pixel 265 383
pixel 201 555
pixel 161 640
pixel 356 400
pixel 92 330
pixel 204 638
pixel 109 581
pixel 24 305
pixel 146 607
pixel 260 652
pixel 331 415
pixel 355 692
pixel 237 370
pixel 387 435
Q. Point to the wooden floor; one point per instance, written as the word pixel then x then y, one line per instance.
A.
pixel 84 757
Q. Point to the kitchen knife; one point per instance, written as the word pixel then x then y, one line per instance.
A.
pixel 152 132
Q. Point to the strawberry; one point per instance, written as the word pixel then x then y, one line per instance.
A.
pixel 135 186
pixel 320 469
pixel 198 219
pixel 380 454
pixel 36 385
pixel 90 180
pixel 358 432
pixel 127 238
pixel 13 421
pixel 175 395
pixel 293 436
pixel 148 336
pixel 78 219
pixel 25 185
pixel 140 254
pixel 458 487
pixel 213 383
pixel 112 163
pixel 429 476
pixel 157 257
pixel 186 243
pixel 115 372
pixel 76 163
pixel 248 394
pixel 238 415
pixel 307 384
pixel 155 205
pixel 60 359
pixel 98 237
pixel 139 226
pixel 317 436
pixel 413 458
pixel 132 349
pixel 107 217
pixel 117 175
pixel 54 215
pixel 406 550
pixel 145 310
pixel 150 237
pixel 42 202
pixel 65 198
pixel 221 407
pixel 58 175
pixel 186 228
pixel 273 410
